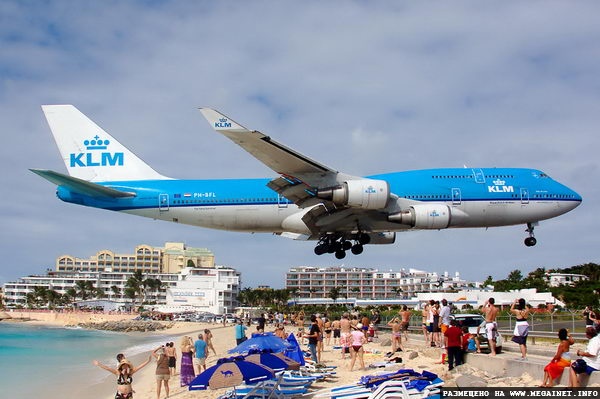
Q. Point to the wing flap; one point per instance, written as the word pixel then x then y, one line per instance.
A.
pixel 81 186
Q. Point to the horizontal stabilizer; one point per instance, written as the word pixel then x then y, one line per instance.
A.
pixel 80 186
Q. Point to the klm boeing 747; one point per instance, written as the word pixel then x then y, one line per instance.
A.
pixel 307 200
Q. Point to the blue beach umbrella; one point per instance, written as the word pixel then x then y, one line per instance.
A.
pixel 269 360
pixel 229 372
pixel 262 342
pixel 294 351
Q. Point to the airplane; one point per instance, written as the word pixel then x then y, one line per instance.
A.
pixel 307 200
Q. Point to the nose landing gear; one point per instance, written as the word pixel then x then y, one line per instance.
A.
pixel 530 241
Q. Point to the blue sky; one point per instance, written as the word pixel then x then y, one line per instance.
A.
pixel 364 87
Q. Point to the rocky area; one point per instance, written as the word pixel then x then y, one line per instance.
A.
pixel 128 325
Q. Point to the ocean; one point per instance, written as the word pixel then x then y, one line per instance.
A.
pixel 53 362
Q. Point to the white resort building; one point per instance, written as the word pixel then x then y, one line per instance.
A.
pixel 189 279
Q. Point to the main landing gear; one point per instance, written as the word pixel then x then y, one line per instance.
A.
pixel 338 245
pixel 530 241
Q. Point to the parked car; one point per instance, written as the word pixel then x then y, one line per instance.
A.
pixel 476 325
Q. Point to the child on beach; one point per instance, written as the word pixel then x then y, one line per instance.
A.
pixel 171 352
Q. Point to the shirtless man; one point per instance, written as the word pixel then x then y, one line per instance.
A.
pixel 491 327
pixel 345 334
pixel 405 315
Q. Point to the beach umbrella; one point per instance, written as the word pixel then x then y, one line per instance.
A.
pixel 291 363
pixel 268 359
pixel 294 351
pixel 229 372
pixel 261 342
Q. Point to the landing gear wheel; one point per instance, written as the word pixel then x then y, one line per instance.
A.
pixel 346 245
pixel 321 249
pixel 530 241
pixel 340 254
pixel 357 249
pixel 364 239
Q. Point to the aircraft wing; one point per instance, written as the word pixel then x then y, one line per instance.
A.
pixel 80 186
pixel 300 175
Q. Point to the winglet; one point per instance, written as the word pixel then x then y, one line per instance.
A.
pixel 219 122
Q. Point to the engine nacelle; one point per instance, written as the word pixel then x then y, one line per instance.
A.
pixel 426 216
pixel 364 194
pixel 384 237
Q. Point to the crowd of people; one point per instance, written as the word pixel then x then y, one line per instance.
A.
pixel 352 331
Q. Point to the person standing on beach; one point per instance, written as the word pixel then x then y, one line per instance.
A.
pixel 186 371
pixel 171 352
pixel 335 325
pixel 521 326
pixel 201 353
pixel 124 373
pixel 345 327
pixel 162 370
pixel 405 323
pixel 453 344
pixel 396 334
pixel 490 312
pixel 313 338
pixel 240 332
pixel 358 339
pixel 208 338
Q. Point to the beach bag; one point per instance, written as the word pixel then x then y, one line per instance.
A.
pixel 579 366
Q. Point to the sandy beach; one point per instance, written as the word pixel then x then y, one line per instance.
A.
pixel 416 356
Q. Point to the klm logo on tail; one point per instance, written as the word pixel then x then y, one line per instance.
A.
pixel 96 155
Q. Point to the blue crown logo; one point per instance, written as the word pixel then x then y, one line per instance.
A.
pixel 222 120
pixel 499 182
pixel 96 143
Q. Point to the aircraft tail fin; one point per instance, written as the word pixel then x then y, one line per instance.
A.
pixel 90 153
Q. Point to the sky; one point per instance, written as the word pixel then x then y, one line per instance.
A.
pixel 363 87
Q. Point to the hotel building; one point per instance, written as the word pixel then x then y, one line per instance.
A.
pixel 366 283
pixel 190 280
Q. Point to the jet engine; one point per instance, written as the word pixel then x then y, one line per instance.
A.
pixel 426 216
pixel 364 194
pixel 384 237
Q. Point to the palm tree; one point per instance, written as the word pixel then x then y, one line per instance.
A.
pixel 135 286
pixel 115 290
pixel 334 293
pixel 85 289
pixel 153 284
pixel 71 294
pixel 397 290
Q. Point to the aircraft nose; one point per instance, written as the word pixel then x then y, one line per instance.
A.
pixel 575 202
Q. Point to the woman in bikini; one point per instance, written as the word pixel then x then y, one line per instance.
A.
pixel 124 373
pixel 396 334
pixel 520 310
pixel 357 340
pixel 208 338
